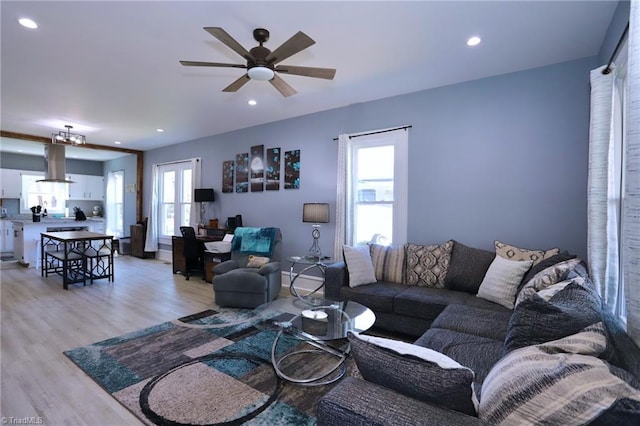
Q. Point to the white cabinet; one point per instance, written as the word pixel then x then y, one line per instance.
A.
pixel 6 238
pixel 11 183
pixel 86 187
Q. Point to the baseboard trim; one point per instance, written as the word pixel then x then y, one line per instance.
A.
pixel 304 283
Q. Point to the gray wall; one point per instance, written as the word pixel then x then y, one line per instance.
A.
pixel 9 160
pixel 129 165
pixel 498 158
pixel 615 30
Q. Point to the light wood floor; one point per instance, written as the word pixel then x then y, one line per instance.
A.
pixel 40 320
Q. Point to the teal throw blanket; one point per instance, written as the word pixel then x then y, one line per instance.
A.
pixel 258 241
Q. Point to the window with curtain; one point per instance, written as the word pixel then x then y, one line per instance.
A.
pixel 115 203
pixel 371 201
pixel 175 184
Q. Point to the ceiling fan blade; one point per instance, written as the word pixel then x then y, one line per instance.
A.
pixel 210 64
pixel 231 42
pixel 299 41
pixel 282 86
pixel 326 73
pixel 233 87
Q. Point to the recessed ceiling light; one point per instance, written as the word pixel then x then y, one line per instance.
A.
pixel 474 41
pixel 28 23
pixel 252 102
pixel 159 130
pixel 117 142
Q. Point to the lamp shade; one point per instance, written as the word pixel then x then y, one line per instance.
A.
pixel 202 195
pixel 315 212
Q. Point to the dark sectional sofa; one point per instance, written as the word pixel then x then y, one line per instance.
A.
pixel 475 332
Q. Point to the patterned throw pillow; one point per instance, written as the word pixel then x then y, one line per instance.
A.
pixel 500 283
pixel 546 278
pixel 359 265
pixel 427 265
pixel 388 263
pixel 519 254
pixel 560 382
pixel 415 371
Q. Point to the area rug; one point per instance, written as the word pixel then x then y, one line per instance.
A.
pixel 213 367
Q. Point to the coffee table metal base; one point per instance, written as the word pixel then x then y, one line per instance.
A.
pixel 330 375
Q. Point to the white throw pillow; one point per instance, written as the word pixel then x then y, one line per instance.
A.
pixel 500 284
pixel 359 265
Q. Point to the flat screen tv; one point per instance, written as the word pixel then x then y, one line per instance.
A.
pixel 202 195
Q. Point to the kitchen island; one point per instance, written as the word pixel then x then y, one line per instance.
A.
pixel 26 235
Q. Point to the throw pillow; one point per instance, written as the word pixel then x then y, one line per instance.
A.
pixel 511 252
pixel 500 284
pixel 467 268
pixel 560 382
pixel 359 265
pixel 257 261
pixel 560 257
pixel 427 266
pixel 536 320
pixel 388 263
pixel 415 371
pixel 545 278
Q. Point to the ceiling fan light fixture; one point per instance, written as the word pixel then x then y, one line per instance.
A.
pixel 260 73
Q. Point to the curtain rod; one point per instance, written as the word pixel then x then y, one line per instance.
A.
pixel 379 131
pixel 607 70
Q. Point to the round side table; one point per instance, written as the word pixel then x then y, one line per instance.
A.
pixel 307 263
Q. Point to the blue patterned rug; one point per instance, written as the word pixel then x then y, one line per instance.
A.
pixel 207 368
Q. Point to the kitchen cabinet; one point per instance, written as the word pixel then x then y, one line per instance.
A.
pixel 86 187
pixel 26 237
pixel 6 237
pixel 11 183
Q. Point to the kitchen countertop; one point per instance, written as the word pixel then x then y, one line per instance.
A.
pixel 56 220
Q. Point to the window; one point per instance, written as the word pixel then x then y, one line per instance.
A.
pixel 48 195
pixel 175 184
pixel 115 203
pixel 378 188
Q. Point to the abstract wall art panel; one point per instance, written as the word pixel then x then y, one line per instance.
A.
pixel 273 169
pixel 292 169
pixel 227 176
pixel 242 172
pixel 257 168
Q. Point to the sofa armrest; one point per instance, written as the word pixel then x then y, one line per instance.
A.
pixel 226 266
pixel 336 276
pixel 358 402
pixel 269 268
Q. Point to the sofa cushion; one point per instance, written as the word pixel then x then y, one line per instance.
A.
pixel 359 265
pixel 376 296
pixel 546 278
pixel 477 353
pixel 388 262
pixel 560 382
pixel 427 265
pixel 500 284
pixel 512 252
pixel 467 268
pixel 415 371
pixel 473 320
pixel 544 264
pixel 536 320
pixel 426 302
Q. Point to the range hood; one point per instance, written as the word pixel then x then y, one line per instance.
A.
pixel 55 164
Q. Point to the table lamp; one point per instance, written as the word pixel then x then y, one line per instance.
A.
pixel 315 213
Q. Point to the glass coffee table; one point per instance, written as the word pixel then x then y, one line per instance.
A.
pixel 323 327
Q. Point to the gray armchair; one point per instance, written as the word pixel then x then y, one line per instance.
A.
pixel 239 284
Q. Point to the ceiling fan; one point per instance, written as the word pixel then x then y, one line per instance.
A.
pixel 262 62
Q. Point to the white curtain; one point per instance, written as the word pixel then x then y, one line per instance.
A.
pixel 603 196
pixel 342 198
pixel 151 242
pixel 194 212
pixel 631 210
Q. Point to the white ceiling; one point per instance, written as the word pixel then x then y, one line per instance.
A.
pixel 111 68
